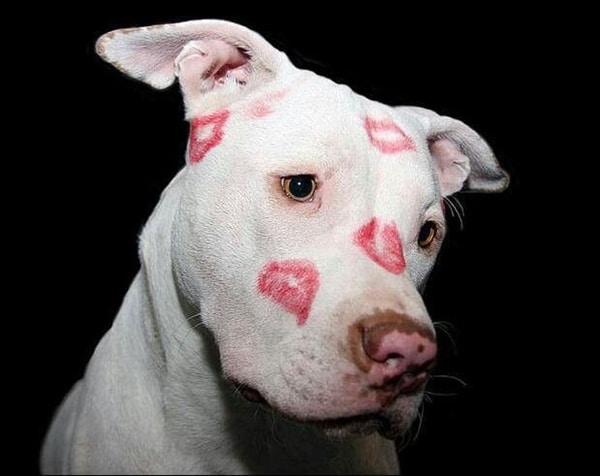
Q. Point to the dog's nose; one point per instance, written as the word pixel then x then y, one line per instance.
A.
pixel 394 350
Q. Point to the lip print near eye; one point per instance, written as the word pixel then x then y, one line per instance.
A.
pixel 206 132
pixel 387 136
pixel 382 244
pixel 293 284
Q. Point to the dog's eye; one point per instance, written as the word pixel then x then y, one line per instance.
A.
pixel 427 234
pixel 301 188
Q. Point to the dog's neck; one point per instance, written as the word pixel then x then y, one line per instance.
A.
pixel 169 322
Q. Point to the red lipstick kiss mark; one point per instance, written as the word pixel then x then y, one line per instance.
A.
pixel 387 136
pixel 382 244
pixel 265 105
pixel 206 133
pixel 292 284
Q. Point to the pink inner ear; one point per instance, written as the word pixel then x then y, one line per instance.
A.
pixel 204 63
pixel 452 166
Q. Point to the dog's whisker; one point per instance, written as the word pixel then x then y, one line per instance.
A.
pixel 420 418
pixel 189 327
pixel 450 377
pixel 456 209
pixel 451 206
pixel 274 429
pixel 447 328
pixel 415 430
pixel 460 206
pixel 404 440
pixel 451 392
pixel 194 316
pixel 442 394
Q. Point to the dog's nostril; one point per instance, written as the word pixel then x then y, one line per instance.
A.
pixel 393 360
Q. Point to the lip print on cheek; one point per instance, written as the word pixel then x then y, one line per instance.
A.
pixel 206 132
pixel 382 244
pixel 292 284
pixel 387 136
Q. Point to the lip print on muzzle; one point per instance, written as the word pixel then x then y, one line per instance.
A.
pixel 292 284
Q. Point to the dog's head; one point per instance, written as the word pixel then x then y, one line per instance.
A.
pixel 311 218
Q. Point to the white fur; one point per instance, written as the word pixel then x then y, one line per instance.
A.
pixel 155 396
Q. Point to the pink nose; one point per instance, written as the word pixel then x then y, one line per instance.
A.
pixel 395 351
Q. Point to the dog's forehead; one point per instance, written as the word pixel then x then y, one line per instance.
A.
pixel 310 124
pixel 313 111
pixel 321 104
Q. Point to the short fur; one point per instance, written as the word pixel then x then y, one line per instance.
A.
pixel 163 391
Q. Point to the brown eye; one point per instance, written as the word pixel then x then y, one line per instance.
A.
pixel 299 187
pixel 427 234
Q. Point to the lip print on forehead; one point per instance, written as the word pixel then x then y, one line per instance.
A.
pixel 387 136
pixel 381 243
pixel 265 105
pixel 206 132
pixel 292 284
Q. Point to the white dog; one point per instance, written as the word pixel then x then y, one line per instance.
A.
pixel 276 324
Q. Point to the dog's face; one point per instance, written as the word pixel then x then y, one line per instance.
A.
pixel 310 218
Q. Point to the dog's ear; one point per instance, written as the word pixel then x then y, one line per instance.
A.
pixel 213 59
pixel 462 158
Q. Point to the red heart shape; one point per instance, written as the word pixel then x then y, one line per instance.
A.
pixel 382 244
pixel 292 284
pixel 206 133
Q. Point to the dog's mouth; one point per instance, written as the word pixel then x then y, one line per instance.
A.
pixel 386 422
pixel 359 425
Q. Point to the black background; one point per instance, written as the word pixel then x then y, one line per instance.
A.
pixel 100 147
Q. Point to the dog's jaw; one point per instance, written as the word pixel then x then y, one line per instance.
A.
pixel 392 421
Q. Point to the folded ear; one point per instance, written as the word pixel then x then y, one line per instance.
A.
pixel 462 159
pixel 206 55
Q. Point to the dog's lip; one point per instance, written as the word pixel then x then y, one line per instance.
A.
pixel 373 421
pixel 339 421
pixel 250 393
pixel 365 423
